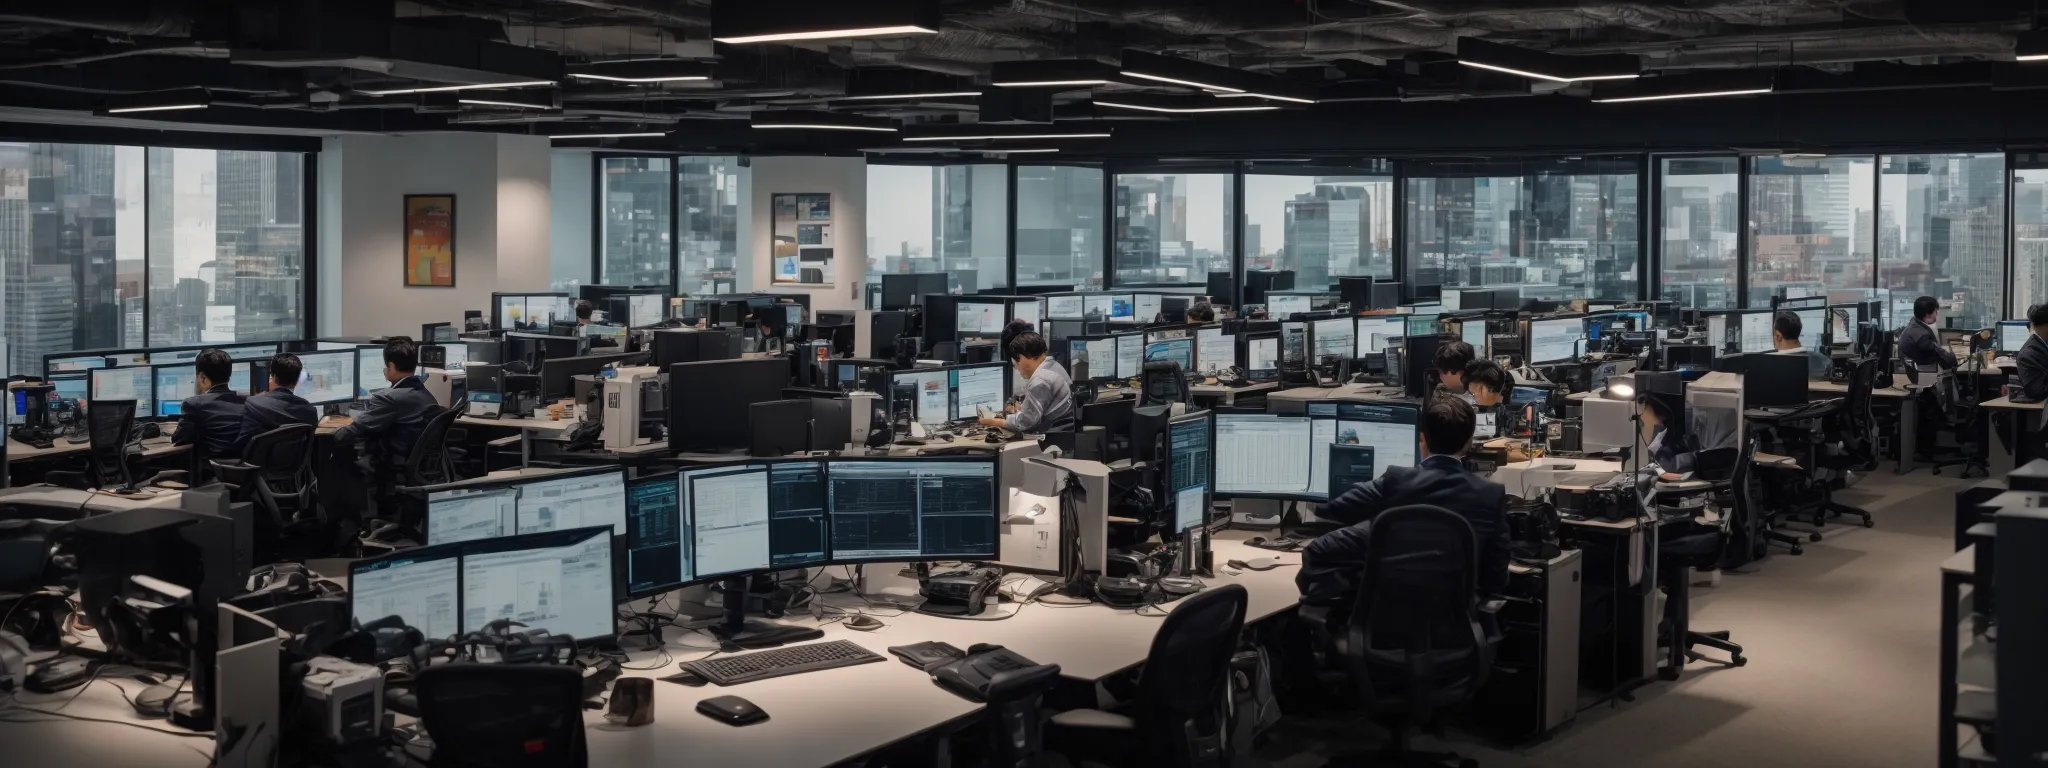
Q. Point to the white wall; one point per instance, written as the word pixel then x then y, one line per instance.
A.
pixel 502 216
pixel 569 223
pixel 845 178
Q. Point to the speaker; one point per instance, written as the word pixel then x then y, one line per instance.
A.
pixel 632 701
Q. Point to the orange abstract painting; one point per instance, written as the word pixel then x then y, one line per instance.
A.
pixel 430 241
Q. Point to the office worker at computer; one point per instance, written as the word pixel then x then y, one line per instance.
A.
pixel 1330 564
pixel 277 407
pixel 1201 312
pixel 212 418
pixel 2033 356
pixel 1488 384
pixel 394 417
pixel 1919 342
pixel 583 312
pixel 1048 397
pixel 1451 359
pixel 1667 452
pixel 1785 331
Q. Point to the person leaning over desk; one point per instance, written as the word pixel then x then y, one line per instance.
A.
pixel 212 417
pixel 277 407
pixel 1330 564
pixel 1667 452
pixel 1489 384
pixel 2033 357
pixel 1049 395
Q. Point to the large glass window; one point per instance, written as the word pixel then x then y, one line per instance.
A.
pixel 71 251
pixel 1059 226
pixel 1811 224
pixel 1941 232
pixel 1172 229
pixel 1319 227
pixel 634 235
pixel 708 200
pixel 948 218
pixel 2029 239
pixel 226 246
pixel 1558 230
pixel 1701 219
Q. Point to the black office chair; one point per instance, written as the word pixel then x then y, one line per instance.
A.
pixel 1014 726
pixel 1676 557
pixel 1850 445
pixel 1955 413
pixel 276 475
pixel 427 464
pixel 1414 642
pixel 503 715
pixel 1178 717
pixel 110 425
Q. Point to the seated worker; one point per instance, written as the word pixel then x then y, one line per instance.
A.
pixel 1667 453
pixel 584 310
pixel 1049 396
pixel 1330 564
pixel 1919 343
pixel 394 417
pixel 278 406
pixel 1201 312
pixel 2033 357
pixel 1488 384
pixel 1451 359
pixel 211 418
pixel 1785 330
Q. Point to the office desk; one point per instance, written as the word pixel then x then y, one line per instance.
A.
pixel 528 429
pixel 154 447
pixel 54 742
pixel 2025 419
pixel 1295 400
pixel 1229 395
pixel 1909 413
pixel 1517 475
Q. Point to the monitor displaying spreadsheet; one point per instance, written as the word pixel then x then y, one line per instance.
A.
pixel 1175 350
pixel 1374 331
pixel 1146 307
pixel 1334 337
pixel 2013 334
pixel 1280 306
pixel 136 383
pixel 1755 332
pixel 1065 307
pixel 561 582
pixel 1261 454
pixel 580 500
pixel 1388 428
pixel 1554 341
pixel 729 510
pixel 1130 351
pixel 1096 306
pixel 1214 350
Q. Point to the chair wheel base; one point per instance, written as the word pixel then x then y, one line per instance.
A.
pixel 1870 523
pixel 1739 660
pixel 1813 537
pixel 1798 550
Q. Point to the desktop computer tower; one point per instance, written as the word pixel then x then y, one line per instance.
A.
pixel 1534 686
pixel 721 344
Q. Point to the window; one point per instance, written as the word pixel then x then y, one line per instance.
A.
pixel 1319 227
pixel 634 236
pixel 1811 225
pixel 1059 226
pixel 1941 232
pixel 71 254
pixel 1559 230
pixel 1172 229
pixel 708 203
pixel 959 231
pixel 1702 210
pixel 2029 239
pixel 226 246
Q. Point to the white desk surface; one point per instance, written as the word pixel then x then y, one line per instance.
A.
pixel 2006 404
pixel 535 424
pixel 1513 475
pixel 151 448
pixel 53 742
pixel 1218 390
pixel 1345 392
pixel 1835 388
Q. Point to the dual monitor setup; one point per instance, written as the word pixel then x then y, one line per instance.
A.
pixel 558 551
pixel 328 377
pixel 1312 457
pixel 939 396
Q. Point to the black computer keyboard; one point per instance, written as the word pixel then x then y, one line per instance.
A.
pixel 796 659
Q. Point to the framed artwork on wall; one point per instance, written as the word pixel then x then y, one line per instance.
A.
pixel 802 239
pixel 430 241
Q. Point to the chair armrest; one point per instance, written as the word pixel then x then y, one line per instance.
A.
pixel 1317 616
pixel 1095 719
pixel 169 475
pixel 1493 606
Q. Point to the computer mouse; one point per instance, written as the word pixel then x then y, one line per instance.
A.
pixel 731 710
pixel 863 622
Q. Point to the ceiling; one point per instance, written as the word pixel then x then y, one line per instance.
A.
pixel 308 66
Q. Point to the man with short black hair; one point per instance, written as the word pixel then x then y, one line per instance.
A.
pixel 1049 395
pixel 1487 382
pixel 1451 359
pixel 1201 312
pixel 1785 331
pixel 395 416
pixel 277 407
pixel 2033 356
pixel 210 419
pixel 1920 342
pixel 1331 562
pixel 584 310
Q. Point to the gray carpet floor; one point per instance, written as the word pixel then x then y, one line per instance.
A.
pixel 1842 646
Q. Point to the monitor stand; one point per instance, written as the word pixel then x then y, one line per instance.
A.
pixel 738 630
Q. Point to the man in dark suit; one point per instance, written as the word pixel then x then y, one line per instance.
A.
pixel 1920 344
pixel 2033 356
pixel 277 407
pixel 209 419
pixel 394 417
pixel 1331 563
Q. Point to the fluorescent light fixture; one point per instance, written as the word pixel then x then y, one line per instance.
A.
pixel 644 71
pixel 879 96
pixel 1188 83
pixel 1146 65
pixel 1271 96
pixel 1001 137
pixel 164 108
pixel 617 79
pixel 1542 65
pixel 1051 83
pixel 1540 76
pixel 806 120
pixel 1185 110
pixel 1697 85
pixel 824 127
pixel 2030 46
pixel 489 103
pixel 1000 151
pixel 1050 73
pixel 1697 95
pixel 645 135
pixel 828 34
pixel 473 86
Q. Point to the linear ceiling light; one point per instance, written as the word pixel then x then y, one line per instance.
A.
pixel 1019 151
pixel 654 79
pixel 879 96
pixel 1542 65
pixel 158 101
pixel 1183 110
pixel 1050 73
pixel 548 99
pixel 1698 85
pixel 2030 46
pixel 1271 96
pixel 1193 74
pixel 472 86
pixel 164 108
pixel 643 71
pixel 1002 137
pixel 819 121
pixel 737 22
pixel 646 135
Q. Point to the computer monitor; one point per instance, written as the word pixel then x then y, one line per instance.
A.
pixel 980 386
pixel 1388 428
pixel 1130 355
pixel 1261 356
pixel 2013 334
pixel 1071 306
pixel 977 317
pixel 1261 455
pixel 1123 308
pixel 1813 326
pixel 1349 465
pixel 134 382
pixel 922 395
pixel 1375 330
pixel 573 500
pixel 530 311
pixel 370 370
pixel 1280 306
pixel 708 401
pixel 1334 337
pixel 1555 340
pixel 1774 380
pixel 1190 467
pixel 1526 395
pixel 1098 352
pixel 1097 306
pixel 799 534
pixel 421 586
pixel 921 508
pixel 454 357
pixel 251 351
pixel 1423 325
pixel 1355 291
pixel 177 381
pixel 471 511
pixel 728 511
pixel 1176 350
pixel 657 537
pixel 1717 332
pixel 646 309
pixel 1145 308
pixel 326 378
pixel 439 333
pixel 73 386
pixel 1215 350
pixel 1799 303
pixel 1473 331
pixel 1754 331
pixel 1293 342
pixel 79 363
pixel 560 581
pixel 902 291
